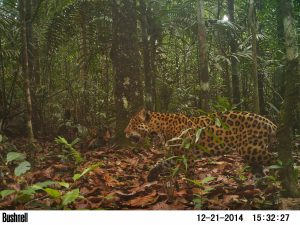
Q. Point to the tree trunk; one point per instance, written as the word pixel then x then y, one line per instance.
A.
pixel 83 49
pixel 291 101
pixel 252 23
pixel 83 61
pixel 261 72
pixel 261 93
pixel 218 9
pixel 278 76
pixel 3 98
pixel 155 33
pixel 203 57
pixel 126 61
pixel 261 81
pixel 34 65
pixel 227 82
pixel 29 37
pixel 236 96
pixel 33 74
pixel 25 69
pixel 146 56
pixel 107 83
pixel 177 66
pixel 35 46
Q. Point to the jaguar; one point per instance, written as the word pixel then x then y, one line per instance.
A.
pixel 249 134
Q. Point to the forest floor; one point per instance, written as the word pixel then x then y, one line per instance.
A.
pixel 119 181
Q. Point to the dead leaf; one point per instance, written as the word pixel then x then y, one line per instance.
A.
pixel 230 198
pixel 143 201
pixel 133 161
pixel 49 172
pixel 252 193
pixel 143 187
pixel 290 203
pixel 160 206
pixel 111 181
pixel 61 167
pixel 95 202
pixel 82 204
pixel 90 192
pixel 6 204
pixel 181 193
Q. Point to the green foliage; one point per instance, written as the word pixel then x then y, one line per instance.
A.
pixel 275 167
pixel 87 170
pixel 175 170
pixel 22 168
pixel 186 143
pixel 15 156
pixel 222 104
pixel 53 189
pixel 53 193
pixel 28 193
pixel 187 140
pixel 185 162
pixel 172 26
pixel 6 147
pixel 5 193
pixel 241 176
pixel 199 200
pixel 218 122
pixel 198 133
pixel 69 146
pixel 201 183
pixel 59 82
pixel 70 197
pixel 272 106
pixel 22 165
pixel 64 184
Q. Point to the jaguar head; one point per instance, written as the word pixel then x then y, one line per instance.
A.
pixel 137 128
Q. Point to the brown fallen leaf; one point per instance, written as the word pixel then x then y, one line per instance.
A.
pixel 123 195
pixel 82 204
pixel 176 205
pixel 48 173
pixel 143 200
pixel 109 180
pixel 95 202
pixel 216 204
pixel 252 193
pixel 129 194
pixel 199 191
pixel 180 193
pixel 160 206
pixel 230 198
pixel 120 182
pixel 61 167
pixel 85 191
pixel 6 204
pixel 132 161
pixel 290 203
pixel 143 187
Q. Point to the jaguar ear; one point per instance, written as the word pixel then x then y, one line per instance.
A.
pixel 145 115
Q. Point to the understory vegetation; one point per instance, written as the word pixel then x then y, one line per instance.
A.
pixel 73 73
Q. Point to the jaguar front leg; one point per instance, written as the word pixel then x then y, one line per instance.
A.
pixel 164 168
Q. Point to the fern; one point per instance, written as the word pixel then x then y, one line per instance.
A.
pixel 75 153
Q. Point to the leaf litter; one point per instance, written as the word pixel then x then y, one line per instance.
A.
pixel 121 183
